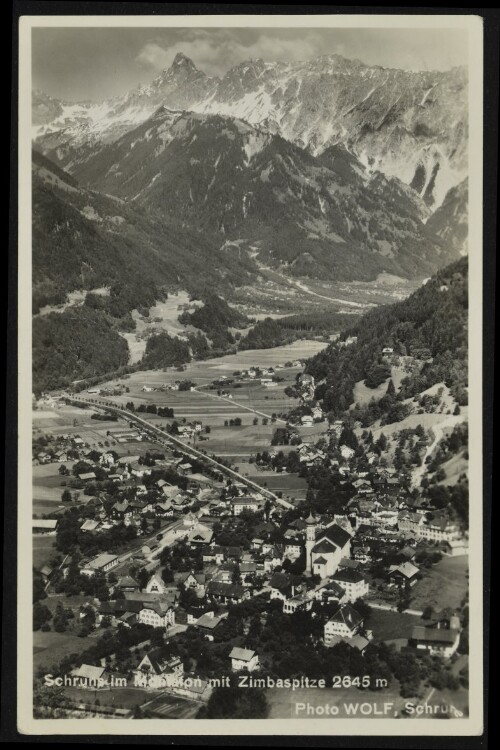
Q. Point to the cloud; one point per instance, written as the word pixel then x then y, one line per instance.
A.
pixel 215 53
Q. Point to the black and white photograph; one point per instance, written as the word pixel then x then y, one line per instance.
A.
pixel 250 405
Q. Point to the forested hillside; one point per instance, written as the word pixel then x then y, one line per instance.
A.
pixel 276 332
pixel 214 318
pixel 82 239
pixel 78 343
pixel 430 326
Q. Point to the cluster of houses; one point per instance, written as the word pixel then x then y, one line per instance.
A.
pixel 335 552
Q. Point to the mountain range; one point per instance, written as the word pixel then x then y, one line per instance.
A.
pixel 410 125
pixel 327 169
pixel 323 216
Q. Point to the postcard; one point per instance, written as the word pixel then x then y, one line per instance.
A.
pixel 250 367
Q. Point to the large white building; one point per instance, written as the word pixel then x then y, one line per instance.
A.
pixel 353 583
pixel 158 614
pixel 325 548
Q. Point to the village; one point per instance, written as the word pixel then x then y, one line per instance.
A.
pixel 168 563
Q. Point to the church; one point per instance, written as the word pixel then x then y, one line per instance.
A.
pixel 325 548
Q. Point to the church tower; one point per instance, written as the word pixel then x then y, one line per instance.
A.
pixel 310 541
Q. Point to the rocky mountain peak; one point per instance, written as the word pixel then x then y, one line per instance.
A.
pixel 181 61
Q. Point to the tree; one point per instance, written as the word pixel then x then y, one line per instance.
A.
pixel 236 576
pixel 167 575
pixel 41 615
pixel 66 496
pixel 142 578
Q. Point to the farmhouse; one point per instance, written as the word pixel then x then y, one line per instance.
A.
pixel 227 593
pixel 435 641
pixel 44 525
pixel 404 573
pixel 207 624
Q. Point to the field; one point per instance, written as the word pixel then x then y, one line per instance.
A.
pixel 444 585
pixel 50 648
pixel 43 550
pixel 48 484
pixel 250 402
pixel 392 626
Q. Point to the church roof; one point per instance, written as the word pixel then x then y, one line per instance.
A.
pixel 335 534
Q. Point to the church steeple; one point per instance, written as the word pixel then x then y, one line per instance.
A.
pixel 311 522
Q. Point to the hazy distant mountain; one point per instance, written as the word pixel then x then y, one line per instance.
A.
pixel 412 125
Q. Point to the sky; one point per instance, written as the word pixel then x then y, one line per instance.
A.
pixel 79 64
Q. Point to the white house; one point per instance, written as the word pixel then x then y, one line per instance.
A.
pixel 244 503
pixel 244 659
pixel 155 671
pixel 156 585
pixel 158 614
pixel 353 583
pixel 344 624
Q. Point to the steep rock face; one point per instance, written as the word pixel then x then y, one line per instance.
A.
pixel 320 215
pixel 449 222
pixel 412 125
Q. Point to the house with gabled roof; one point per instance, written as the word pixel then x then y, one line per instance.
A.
pixel 344 625
pixel 200 535
pixel 156 671
pixel 126 583
pixel 156 585
pixel 243 659
pixel 329 591
pixel 192 580
pixel 438 641
pixel 208 623
pixel 227 593
pixel 406 573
